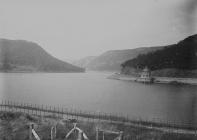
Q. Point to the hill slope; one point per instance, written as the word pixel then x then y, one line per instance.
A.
pixel 111 60
pixel 19 55
pixel 182 55
pixel 84 62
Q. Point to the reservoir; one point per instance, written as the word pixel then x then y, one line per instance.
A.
pixel 94 92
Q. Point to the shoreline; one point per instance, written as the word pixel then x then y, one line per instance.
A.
pixel 159 80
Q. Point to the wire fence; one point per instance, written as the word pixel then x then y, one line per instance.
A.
pixel 42 110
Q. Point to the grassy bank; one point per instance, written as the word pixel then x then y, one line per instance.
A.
pixel 14 126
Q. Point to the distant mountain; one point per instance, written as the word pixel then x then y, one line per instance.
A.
pixel 173 60
pixel 24 56
pixel 84 62
pixel 112 60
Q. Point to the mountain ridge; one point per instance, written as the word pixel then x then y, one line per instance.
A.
pixel 182 55
pixel 176 60
pixel 22 55
pixel 112 59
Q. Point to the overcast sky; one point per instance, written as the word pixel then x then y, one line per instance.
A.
pixel 72 29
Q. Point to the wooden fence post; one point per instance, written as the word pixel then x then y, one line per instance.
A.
pixel 97 133
pixel 36 110
pixel 121 135
pixel 32 111
pixel 23 105
pixel 62 113
pixel 39 109
pixel 1 105
pixel 8 105
pixel 54 111
pixel 50 110
pixel 46 110
pixel 31 126
pixel 28 109
pixel 53 132
pixel 58 111
pixel 5 104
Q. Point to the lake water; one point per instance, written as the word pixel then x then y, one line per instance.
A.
pixel 94 92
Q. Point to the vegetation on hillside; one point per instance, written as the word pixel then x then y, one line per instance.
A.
pixel 182 55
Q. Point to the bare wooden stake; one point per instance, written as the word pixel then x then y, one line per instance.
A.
pixel 31 126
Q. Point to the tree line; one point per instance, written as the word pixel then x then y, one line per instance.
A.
pixel 182 55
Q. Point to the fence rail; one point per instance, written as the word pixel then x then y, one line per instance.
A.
pixel 60 112
pixel 42 110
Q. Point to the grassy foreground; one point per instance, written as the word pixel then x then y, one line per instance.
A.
pixel 14 126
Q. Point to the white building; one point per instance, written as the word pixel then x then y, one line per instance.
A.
pixel 145 76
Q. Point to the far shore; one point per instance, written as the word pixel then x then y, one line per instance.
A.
pixel 162 80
